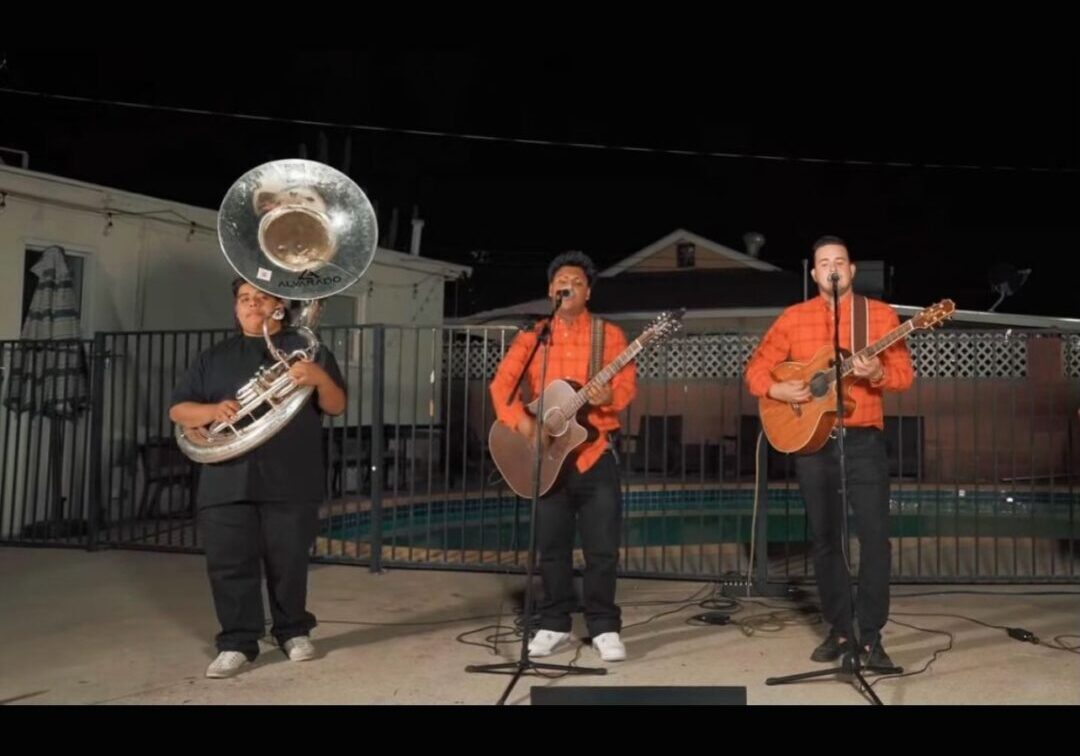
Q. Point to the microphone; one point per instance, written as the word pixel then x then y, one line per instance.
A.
pixel 562 293
pixel 834 276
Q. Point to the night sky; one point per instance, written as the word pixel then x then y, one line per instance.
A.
pixel 506 207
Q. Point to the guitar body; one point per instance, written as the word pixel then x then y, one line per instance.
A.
pixel 804 428
pixel 515 455
pixel 564 426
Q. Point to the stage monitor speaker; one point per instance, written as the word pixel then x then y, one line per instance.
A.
pixel 639 695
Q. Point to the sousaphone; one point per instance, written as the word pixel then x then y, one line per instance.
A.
pixel 297 230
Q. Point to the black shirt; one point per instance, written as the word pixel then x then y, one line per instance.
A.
pixel 290 466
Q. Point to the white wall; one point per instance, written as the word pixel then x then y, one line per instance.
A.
pixel 136 250
pixel 186 284
pixel 150 275
pixel 391 294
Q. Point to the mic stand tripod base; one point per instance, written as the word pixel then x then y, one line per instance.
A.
pixel 850 668
pixel 522 666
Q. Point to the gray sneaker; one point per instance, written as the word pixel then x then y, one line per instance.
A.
pixel 609 646
pixel 299 648
pixel 227 664
pixel 547 642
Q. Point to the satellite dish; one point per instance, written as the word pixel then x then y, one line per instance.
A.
pixel 754 242
pixel 1006 280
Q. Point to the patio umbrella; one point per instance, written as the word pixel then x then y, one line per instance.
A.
pixel 48 367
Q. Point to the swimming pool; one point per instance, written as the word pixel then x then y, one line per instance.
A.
pixel 708 516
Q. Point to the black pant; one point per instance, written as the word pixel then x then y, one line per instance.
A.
pixel 240 538
pixel 868 497
pixel 592 500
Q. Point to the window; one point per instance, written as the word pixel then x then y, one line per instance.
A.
pixel 76 263
pixel 684 254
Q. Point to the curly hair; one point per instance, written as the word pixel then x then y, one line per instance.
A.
pixel 578 260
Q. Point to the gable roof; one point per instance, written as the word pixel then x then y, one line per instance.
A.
pixel 700 242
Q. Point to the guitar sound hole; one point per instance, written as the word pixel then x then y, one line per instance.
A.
pixel 555 422
pixel 819 384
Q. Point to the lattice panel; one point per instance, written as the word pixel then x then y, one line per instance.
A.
pixel 970 354
pixel 699 356
pixel 1070 359
pixel 482 359
pixel 694 356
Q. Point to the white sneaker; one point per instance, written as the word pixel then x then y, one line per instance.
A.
pixel 609 646
pixel 545 642
pixel 227 664
pixel 299 648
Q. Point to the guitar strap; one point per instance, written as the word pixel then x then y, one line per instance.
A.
pixel 596 364
pixel 860 322
pixel 597 341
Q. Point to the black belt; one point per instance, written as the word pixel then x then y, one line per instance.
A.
pixel 835 433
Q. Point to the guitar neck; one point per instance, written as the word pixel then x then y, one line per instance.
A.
pixel 605 375
pixel 879 346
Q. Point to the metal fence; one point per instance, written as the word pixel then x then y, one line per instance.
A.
pixel 983 456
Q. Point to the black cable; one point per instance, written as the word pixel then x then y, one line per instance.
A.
pixel 937 652
pixel 953 616
pixel 1061 645
pixel 490 642
pixel 776 620
pixel 722 604
pixel 406 624
pixel 676 610
pixel 1016 633
pixel 986 593
pixel 492 139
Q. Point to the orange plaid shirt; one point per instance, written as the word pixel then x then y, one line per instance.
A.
pixel 570 351
pixel 802 329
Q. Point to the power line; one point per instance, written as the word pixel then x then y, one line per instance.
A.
pixel 487 138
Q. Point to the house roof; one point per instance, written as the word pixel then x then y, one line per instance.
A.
pixel 695 290
pixel 700 242
pixel 656 292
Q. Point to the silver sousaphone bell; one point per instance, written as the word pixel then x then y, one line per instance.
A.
pixel 297 230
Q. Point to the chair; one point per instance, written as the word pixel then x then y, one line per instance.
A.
pixel 657 446
pixel 164 465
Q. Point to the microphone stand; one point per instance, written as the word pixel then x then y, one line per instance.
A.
pixel 524 663
pixel 850 666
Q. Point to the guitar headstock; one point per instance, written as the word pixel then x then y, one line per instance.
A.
pixel 665 325
pixel 935 315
